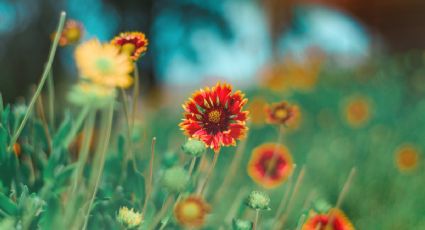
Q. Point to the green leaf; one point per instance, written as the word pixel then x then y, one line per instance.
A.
pixel 63 131
pixel 7 205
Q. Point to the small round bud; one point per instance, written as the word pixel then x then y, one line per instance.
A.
pixel 193 147
pixel 258 200
pixel 169 159
pixel 321 206
pixel 175 179
pixel 238 224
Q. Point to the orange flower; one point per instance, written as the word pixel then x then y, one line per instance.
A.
pixel 270 165
pixel 357 111
pixel 71 33
pixel 132 43
pixel 407 158
pixel 215 116
pixel 282 113
pixel 292 75
pixel 321 221
pixel 191 211
pixel 256 110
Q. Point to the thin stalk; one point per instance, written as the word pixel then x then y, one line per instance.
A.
pixel 102 153
pixel 128 153
pixel 209 173
pixel 149 187
pixel 76 126
pixel 285 198
pixel 51 99
pixel 291 203
pixel 234 166
pixel 84 151
pixel 161 213
pixel 300 222
pixel 42 81
pixel 136 93
pixel 192 166
pixel 342 194
pixel 257 216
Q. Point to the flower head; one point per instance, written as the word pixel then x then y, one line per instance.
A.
pixel 191 211
pixel 72 33
pixel 357 111
pixel 282 113
pixel 131 43
pixel 103 64
pixel 318 221
pixel 215 116
pixel 194 147
pixel 129 218
pixel 270 165
pixel 256 110
pixel 175 179
pixel 407 158
pixel 89 94
pixel 258 200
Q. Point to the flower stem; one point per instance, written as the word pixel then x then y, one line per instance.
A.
pixel 149 187
pixel 42 81
pixel 100 160
pixel 51 99
pixel 76 126
pixel 257 216
pixel 209 173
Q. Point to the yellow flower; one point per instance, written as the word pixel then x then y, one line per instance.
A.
pixel 103 64
pixel 129 217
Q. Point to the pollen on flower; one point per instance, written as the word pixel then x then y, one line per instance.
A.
pixel 191 211
pixel 133 44
pixel 215 116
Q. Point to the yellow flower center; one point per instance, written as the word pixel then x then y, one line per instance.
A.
pixel 104 64
pixel 214 116
pixel 281 113
pixel 128 48
pixel 73 34
pixel 191 210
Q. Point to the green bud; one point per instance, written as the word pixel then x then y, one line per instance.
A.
pixel 194 148
pixel 238 224
pixel 175 179
pixel 258 200
pixel 169 159
pixel 321 206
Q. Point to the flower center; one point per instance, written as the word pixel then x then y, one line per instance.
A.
pixel 128 48
pixel 104 65
pixel 191 210
pixel 214 116
pixel 281 113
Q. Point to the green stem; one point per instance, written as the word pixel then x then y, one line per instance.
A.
pixel 76 126
pixel 42 81
pixel 257 216
pixel 209 173
pixel 83 152
pixel 51 99
pixel 101 153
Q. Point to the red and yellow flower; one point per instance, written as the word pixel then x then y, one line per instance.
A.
pixel 282 113
pixel 215 116
pixel 72 33
pixel 270 165
pixel 191 211
pixel 131 43
pixel 335 219
pixel 407 158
